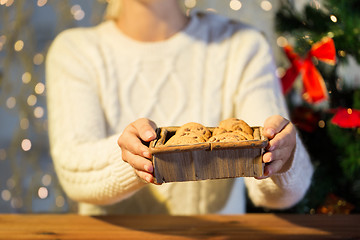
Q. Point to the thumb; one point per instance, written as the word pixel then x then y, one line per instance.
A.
pixel 146 129
pixel 274 125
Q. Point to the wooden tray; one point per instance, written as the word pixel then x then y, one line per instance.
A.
pixel 206 160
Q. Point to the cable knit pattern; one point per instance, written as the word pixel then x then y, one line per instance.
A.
pixel 99 80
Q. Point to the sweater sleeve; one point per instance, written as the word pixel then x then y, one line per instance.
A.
pixel 86 158
pixel 259 96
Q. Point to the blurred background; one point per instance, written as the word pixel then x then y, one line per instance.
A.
pixel 329 124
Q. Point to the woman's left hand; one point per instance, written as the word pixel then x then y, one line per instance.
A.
pixel 282 141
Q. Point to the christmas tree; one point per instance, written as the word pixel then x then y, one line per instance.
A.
pixel 319 40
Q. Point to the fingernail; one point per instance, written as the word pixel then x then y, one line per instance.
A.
pixel 148 168
pixel 149 135
pixel 268 159
pixel 270 132
pixel 148 179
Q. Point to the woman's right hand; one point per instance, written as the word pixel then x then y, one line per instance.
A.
pixel 134 151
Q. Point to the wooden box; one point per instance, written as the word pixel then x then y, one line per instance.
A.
pixel 206 160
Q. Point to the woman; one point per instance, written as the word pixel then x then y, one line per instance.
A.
pixel 151 61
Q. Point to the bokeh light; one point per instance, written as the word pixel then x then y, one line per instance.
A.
pixel 6 195
pixel 41 3
pixel 19 45
pixel 60 201
pixel 10 102
pixel 190 3
pixel 43 192
pixel 26 144
pixel 235 5
pixel 26 77
pixel 39 88
pixel 39 112
pixel 24 123
pixel 46 180
pixel 31 100
pixel 266 5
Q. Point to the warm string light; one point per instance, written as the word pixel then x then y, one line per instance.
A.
pixel 235 5
pixel 6 195
pixel 281 41
pixel 19 45
pixel 330 34
pixel 266 5
pixel 60 201
pixel 39 88
pixel 77 12
pixel 46 180
pixel 190 3
pixel 39 112
pixel 342 53
pixel 41 3
pixel 26 77
pixel 43 192
pixel 38 59
pixel 333 18
pixel 26 144
pixel 31 100
pixel 24 123
pixel 11 102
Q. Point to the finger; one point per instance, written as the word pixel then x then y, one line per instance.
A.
pixel 273 125
pixel 130 142
pixel 145 176
pixel 273 167
pixel 145 129
pixel 286 137
pixel 282 153
pixel 138 162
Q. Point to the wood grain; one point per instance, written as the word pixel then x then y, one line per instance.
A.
pixel 248 226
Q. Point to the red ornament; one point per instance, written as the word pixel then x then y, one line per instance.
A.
pixel 346 118
pixel 314 86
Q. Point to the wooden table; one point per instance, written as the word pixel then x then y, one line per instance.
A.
pixel 248 226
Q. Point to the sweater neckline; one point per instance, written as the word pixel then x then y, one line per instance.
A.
pixel 166 46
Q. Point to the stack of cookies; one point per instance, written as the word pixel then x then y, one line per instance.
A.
pixel 229 130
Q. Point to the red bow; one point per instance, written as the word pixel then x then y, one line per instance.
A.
pixel 314 85
pixel 346 118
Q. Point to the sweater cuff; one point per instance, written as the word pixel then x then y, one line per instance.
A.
pixel 299 171
pixel 123 182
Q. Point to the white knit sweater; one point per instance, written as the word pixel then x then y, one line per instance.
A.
pixel 99 81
